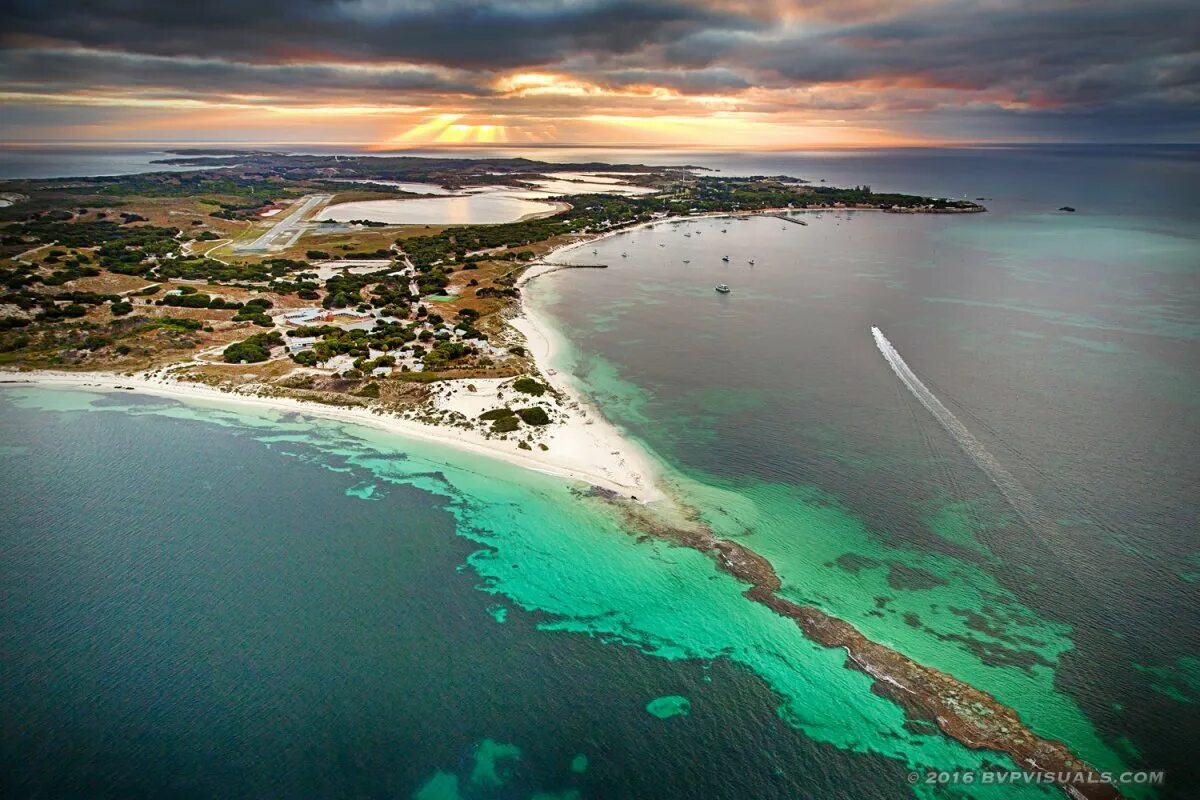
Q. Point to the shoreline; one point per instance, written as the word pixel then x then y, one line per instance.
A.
pixel 603 475
pixel 582 444
pixel 923 693
pixel 586 447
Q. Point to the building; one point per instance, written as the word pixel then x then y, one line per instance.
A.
pixel 298 344
pixel 303 316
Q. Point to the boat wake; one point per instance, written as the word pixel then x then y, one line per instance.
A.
pixel 1017 495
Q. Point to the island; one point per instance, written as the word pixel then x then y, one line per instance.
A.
pixel 229 275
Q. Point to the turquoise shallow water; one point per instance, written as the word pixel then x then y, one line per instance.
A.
pixel 323 610
pixel 201 595
pixel 1064 343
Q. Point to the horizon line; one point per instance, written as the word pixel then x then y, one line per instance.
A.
pixel 371 148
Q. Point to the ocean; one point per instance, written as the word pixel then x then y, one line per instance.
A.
pixel 216 601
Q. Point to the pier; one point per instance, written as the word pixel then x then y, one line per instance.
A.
pixel 786 218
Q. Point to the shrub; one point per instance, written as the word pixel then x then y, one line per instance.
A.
pixel 245 353
pixel 534 415
pixel 95 342
pixel 191 299
pixel 370 390
pixel 121 309
pixel 497 413
pixel 529 386
pixel 423 376
pixel 253 314
pixel 506 424
pixel 254 349
pixel 177 323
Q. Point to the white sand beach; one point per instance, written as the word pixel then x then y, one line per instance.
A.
pixel 580 443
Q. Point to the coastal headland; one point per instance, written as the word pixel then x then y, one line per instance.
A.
pixel 175 285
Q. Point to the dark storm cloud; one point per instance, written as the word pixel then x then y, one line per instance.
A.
pixel 460 33
pixel 969 45
pixel 27 69
pixel 1016 57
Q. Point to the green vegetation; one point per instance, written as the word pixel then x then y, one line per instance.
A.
pixel 306 358
pixel 176 323
pixel 497 413
pixel 208 269
pixel 534 415
pixel 445 352
pixel 255 311
pixel 506 424
pixel 529 386
pixel 432 255
pixel 252 350
pixel 69 230
pixel 419 377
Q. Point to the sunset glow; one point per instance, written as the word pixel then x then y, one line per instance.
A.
pixel 704 73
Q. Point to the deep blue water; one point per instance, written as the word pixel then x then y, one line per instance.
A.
pixel 195 608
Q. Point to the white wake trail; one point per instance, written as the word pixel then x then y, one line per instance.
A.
pixel 1016 494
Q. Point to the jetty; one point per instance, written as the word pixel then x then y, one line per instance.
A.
pixel 786 218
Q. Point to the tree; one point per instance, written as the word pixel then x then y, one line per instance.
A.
pixel 252 350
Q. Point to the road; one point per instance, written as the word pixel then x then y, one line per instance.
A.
pixel 288 229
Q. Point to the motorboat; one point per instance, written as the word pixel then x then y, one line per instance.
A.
pixel 723 288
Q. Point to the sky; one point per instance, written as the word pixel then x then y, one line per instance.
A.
pixel 747 74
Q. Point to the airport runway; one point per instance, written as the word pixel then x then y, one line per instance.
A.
pixel 287 230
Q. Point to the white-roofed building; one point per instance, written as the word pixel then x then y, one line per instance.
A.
pixel 298 344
